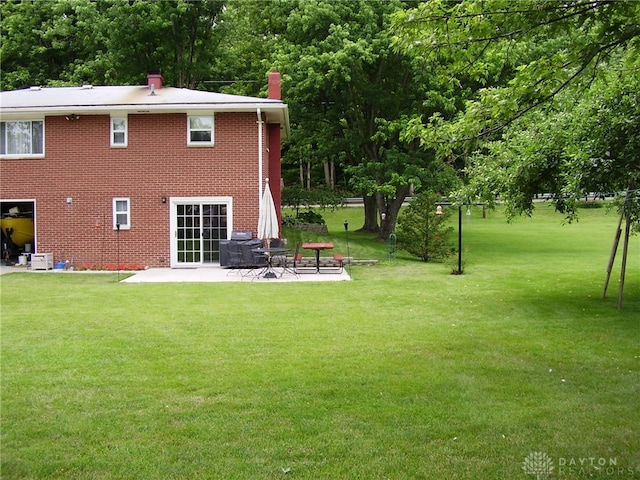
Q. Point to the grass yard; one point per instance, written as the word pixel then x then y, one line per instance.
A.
pixel 406 372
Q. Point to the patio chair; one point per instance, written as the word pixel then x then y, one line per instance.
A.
pixel 253 262
pixel 279 259
pixel 339 259
pixel 297 262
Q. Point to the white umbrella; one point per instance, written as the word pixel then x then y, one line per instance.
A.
pixel 268 226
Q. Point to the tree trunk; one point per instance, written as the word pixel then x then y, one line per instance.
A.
pixel 327 174
pixel 370 215
pixel 301 174
pixel 390 210
pixel 332 173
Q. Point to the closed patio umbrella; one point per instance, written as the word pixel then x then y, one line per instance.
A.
pixel 268 226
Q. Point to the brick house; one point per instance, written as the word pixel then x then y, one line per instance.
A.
pixel 147 175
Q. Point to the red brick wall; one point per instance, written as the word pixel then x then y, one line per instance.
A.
pixel 79 163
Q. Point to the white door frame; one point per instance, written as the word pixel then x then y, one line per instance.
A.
pixel 173 222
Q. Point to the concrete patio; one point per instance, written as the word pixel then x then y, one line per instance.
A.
pixel 196 275
pixel 216 274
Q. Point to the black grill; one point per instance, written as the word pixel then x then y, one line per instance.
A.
pixel 241 236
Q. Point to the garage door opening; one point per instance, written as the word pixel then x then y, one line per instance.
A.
pixel 17 222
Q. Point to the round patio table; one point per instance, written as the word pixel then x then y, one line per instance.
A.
pixel 268 271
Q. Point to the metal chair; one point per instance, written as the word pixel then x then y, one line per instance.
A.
pixel 252 262
pixel 297 261
pixel 279 259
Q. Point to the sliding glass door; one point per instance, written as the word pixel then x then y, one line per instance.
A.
pixel 197 226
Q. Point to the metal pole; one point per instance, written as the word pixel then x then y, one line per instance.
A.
pixel 459 239
pixel 346 234
pixel 118 249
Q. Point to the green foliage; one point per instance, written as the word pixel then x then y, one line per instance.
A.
pixel 422 231
pixel 523 52
pixel 590 205
pixel 534 96
pixel 310 216
pixel 351 96
pixel 296 197
pixel 301 218
pixel 566 151
pixel 108 42
pixel 552 105
pixel 44 42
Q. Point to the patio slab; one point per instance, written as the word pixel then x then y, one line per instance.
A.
pixel 217 274
pixel 204 274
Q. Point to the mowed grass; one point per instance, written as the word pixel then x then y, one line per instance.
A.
pixel 407 372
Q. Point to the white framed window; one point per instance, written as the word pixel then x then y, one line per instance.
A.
pixel 122 213
pixel 119 131
pixel 24 138
pixel 200 130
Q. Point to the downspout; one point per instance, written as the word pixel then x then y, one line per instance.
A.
pixel 260 122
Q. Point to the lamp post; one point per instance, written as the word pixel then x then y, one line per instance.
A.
pixel 459 239
pixel 118 248
pixel 440 212
pixel 346 234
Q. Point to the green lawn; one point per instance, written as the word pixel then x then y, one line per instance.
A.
pixel 406 372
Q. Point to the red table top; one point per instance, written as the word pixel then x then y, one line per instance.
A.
pixel 317 246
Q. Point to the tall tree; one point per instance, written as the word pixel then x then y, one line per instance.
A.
pixel 43 41
pixel 578 145
pixel 538 59
pixel 350 95
pixel 108 42
pixel 178 37
pixel 252 28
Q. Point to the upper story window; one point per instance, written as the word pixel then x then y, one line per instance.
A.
pixel 22 138
pixel 118 131
pixel 121 213
pixel 200 130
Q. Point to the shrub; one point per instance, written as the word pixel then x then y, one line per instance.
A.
pixel 309 216
pixel 593 204
pixel 422 232
pixel 297 197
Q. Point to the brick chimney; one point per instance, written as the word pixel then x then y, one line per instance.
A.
pixel 275 145
pixel 154 80
pixel 274 85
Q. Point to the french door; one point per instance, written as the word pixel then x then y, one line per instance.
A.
pixel 197 226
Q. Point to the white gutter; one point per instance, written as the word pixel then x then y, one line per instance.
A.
pixel 277 111
pixel 260 122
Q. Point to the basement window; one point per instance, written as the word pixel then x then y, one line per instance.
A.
pixel 200 130
pixel 121 213
pixel 24 138
pixel 118 131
